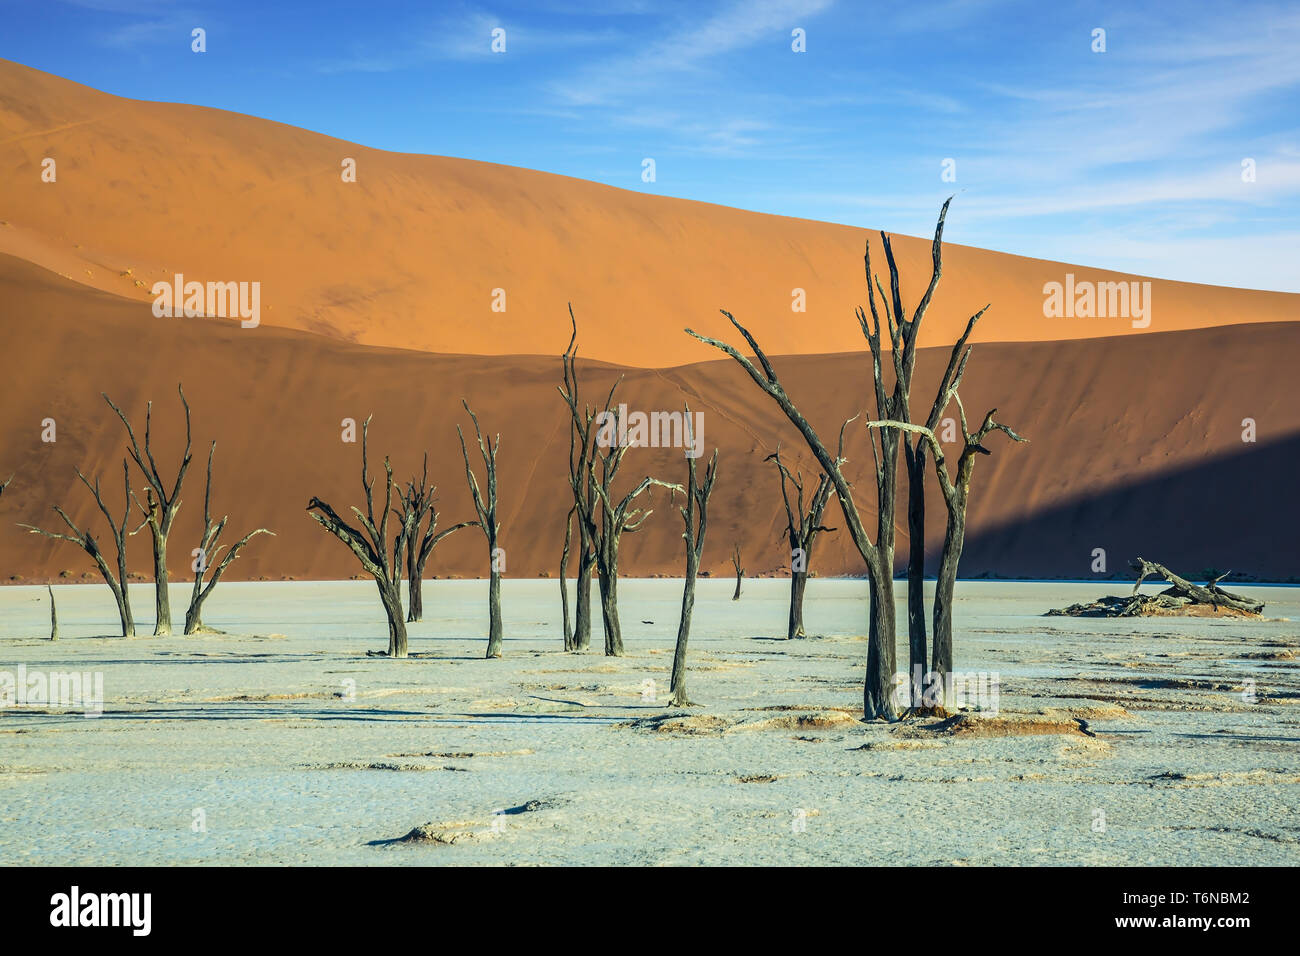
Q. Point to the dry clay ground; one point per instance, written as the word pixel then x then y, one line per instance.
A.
pixel 281 742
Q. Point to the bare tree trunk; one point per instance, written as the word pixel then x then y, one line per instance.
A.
pixel 803 525
pixel 602 519
pixel 878 555
pixel 581 483
pixel 582 606
pixel 162 598
pixel 564 580
pixel 616 517
pixel 418 502
pixel 124 612
pixel 609 609
pixel 740 572
pixel 486 509
pixel 695 516
pixel 414 582
pixel 944 589
pixel 88 543
pixel 956 494
pixel 54 616
pixel 680 698
pixel 798 583
pixel 209 549
pixel 163 504
pixel 194 615
pixel 390 597
pixel 878 703
pixel 577 631
pixel 883 636
pixel 370 543
pixel 916 463
pixel 123 598
pixel 916 636
pixel 494 615
pixel 878 685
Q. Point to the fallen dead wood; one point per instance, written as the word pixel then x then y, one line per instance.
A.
pixel 1181 597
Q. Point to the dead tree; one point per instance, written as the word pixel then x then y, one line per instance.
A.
pixel 1181 597
pixel 602 520
pixel 161 504
pixel 418 502
pixel 117 583
pixel 803 525
pixel 1182 592
pixel 582 485
pixel 740 572
pixel 370 544
pixel 894 405
pixel 570 643
pixel 54 616
pixel 956 494
pixel 487 520
pixel 616 517
pixel 695 515
pixel 208 554
pixel 917 449
pixel 878 554
pixel 904 334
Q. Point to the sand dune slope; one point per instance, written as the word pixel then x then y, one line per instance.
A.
pixel 1126 449
pixel 410 254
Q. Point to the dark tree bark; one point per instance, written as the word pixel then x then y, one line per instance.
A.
pixel 695 516
pixel 878 555
pixel 419 502
pixel 803 525
pixel 604 518
pixel 1184 591
pixel 88 543
pixel 564 581
pixel 903 334
pixel 487 520
pixel 210 548
pixel 582 598
pixel 740 572
pixel 582 484
pixel 370 544
pixel 616 518
pixel 54 616
pixel 917 451
pixel 956 494
pixel 794 625
pixel 608 575
pixel 162 504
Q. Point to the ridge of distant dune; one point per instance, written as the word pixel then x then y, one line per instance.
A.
pixel 410 255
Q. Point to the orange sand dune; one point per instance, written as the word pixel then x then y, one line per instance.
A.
pixel 1135 442
pixel 409 255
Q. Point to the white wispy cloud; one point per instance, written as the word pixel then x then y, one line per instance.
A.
pixel 687 48
pixel 466 35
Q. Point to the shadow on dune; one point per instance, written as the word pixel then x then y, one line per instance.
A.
pixel 1230 512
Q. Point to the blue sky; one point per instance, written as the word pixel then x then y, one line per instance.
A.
pixel 1128 159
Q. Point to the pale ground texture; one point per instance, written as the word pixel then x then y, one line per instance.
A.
pixel 254 735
